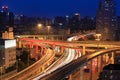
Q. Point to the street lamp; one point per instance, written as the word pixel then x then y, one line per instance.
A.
pixel 48 28
pixel 39 25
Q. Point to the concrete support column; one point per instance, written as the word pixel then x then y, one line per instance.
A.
pixel 99 64
pixel 62 49
pixel 81 74
pixel 53 46
pixel 106 59
pixel 31 45
pixel 36 49
pixel 70 77
pixel 75 75
pixel 41 51
pixel 45 37
pixel 112 58
pixel 91 70
pixel 23 44
pixel 83 50
pixel 19 44
pixel 102 62
pixel 43 68
pixel 33 37
pixel 36 52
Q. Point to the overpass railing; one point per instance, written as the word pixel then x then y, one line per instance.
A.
pixel 75 65
pixel 38 66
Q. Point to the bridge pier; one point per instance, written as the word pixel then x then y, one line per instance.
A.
pixel 83 53
pixel 41 51
pixel 43 68
pixel 113 53
pixel 36 49
pixel 62 49
pixel 91 70
pixel 99 63
pixel 76 75
pixel 19 44
pixel 81 73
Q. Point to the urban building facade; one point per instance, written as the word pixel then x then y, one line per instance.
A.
pixel 8 53
pixel 106 19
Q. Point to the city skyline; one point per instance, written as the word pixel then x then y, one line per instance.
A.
pixel 54 8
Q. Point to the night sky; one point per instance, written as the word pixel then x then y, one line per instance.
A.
pixel 51 8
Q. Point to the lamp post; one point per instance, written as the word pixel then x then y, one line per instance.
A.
pixel 48 29
pixel 39 25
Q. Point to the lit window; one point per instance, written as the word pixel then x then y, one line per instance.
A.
pixel 111 71
pixel 106 9
pixel 112 24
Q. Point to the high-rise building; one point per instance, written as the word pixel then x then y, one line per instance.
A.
pixel 117 38
pixel 106 19
pixel 6 19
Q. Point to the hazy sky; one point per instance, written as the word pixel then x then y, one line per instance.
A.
pixel 51 8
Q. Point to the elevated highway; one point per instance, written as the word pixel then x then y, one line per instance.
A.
pixel 74 45
pixel 54 69
pixel 39 66
pixel 63 60
pixel 71 67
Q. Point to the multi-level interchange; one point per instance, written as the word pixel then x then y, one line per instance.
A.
pixel 59 54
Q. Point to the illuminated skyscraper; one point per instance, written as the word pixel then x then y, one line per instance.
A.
pixel 106 19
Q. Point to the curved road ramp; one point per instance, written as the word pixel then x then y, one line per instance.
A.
pixel 39 66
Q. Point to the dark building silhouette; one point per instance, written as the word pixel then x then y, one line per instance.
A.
pixel 60 22
pixel 117 31
pixel 6 19
pixel 106 19
pixel 87 23
pixel 29 25
pixel 110 72
pixel 74 23
pixel 117 57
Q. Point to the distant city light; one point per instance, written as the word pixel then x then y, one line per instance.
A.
pixel 39 25
pixel 60 24
pixel 76 13
pixel 67 16
pixel 21 15
pixel 4 7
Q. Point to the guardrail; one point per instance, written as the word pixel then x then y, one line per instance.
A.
pixel 37 66
pixel 52 67
pixel 75 65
